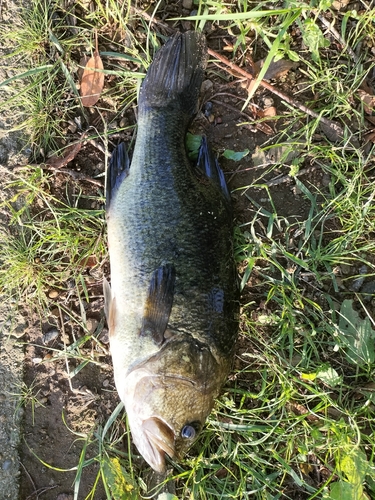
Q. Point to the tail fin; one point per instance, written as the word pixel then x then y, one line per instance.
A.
pixel 176 73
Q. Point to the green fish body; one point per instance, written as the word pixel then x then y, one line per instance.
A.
pixel 173 302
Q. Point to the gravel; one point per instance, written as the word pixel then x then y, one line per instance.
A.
pixel 12 324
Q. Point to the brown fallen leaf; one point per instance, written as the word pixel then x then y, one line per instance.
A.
pixel 69 154
pixel 92 81
pixel 368 101
pixel 371 119
pixel 276 69
pixel 270 111
pixel 370 137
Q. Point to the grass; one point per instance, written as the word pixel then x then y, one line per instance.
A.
pixel 295 420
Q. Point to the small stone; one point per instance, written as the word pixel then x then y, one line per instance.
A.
pixel 41 402
pixel 104 336
pixel 187 4
pixel 6 465
pixel 345 268
pixel 186 25
pixel 72 127
pixel 50 336
pixel 53 294
pixel 268 102
pixel 37 360
pixel 64 496
pixel 91 324
pixel 105 383
pixel 123 122
pixel 206 86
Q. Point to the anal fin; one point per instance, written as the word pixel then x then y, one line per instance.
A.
pixel 159 303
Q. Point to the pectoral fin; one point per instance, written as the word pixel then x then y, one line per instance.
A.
pixel 209 166
pixel 118 169
pixel 109 307
pixel 159 303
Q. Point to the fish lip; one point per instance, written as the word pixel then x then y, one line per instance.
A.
pixel 160 440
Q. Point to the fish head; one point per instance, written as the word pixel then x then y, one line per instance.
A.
pixel 168 398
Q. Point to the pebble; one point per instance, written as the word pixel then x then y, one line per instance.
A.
pixel 187 4
pixel 358 282
pixel 72 127
pixel 37 360
pixel 105 383
pixel 64 496
pixel 91 324
pixel 50 336
pixel 368 290
pixel 104 336
pixel 55 312
pixel 53 294
pixel 206 87
pixel 6 465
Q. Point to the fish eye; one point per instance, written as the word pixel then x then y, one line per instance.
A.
pixel 188 432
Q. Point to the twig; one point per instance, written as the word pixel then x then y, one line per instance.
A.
pixel 338 37
pixel 36 492
pixel 76 175
pixel 329 123
pixel 152 19
pixel 41 491
pixel 286 178
pixel 28 475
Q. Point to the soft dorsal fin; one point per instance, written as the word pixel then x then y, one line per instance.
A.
pixel 118 169
pixel 159 303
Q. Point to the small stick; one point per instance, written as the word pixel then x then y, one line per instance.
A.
pixel 338 37
pixel 76 175
pixel 152 19
pixel 329 123
pixel 286 178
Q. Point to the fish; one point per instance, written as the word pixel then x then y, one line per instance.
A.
pixel 172 305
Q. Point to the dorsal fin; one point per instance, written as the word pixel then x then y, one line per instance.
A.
pixel 159 303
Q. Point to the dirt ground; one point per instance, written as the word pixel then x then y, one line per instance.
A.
pixel 67 406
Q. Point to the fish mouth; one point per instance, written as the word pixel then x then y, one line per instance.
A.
pixel 159 441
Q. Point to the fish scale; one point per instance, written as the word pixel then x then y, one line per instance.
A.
pixel 173 303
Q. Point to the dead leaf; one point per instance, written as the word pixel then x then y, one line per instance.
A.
pixel 90 261
pixel 92 82
pixel 69 154
pixel 81 68
pixel 271 111
pixel 276 69
pixel 368 101
pixel 263 127
pixel 370 137
pixel 371 119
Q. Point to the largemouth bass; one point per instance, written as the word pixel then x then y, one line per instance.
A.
pixel 173 302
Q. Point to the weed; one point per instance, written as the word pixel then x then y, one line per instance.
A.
pixel 43 250
pixel 27 395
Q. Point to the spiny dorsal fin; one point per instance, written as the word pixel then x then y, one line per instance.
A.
pixel 159 303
